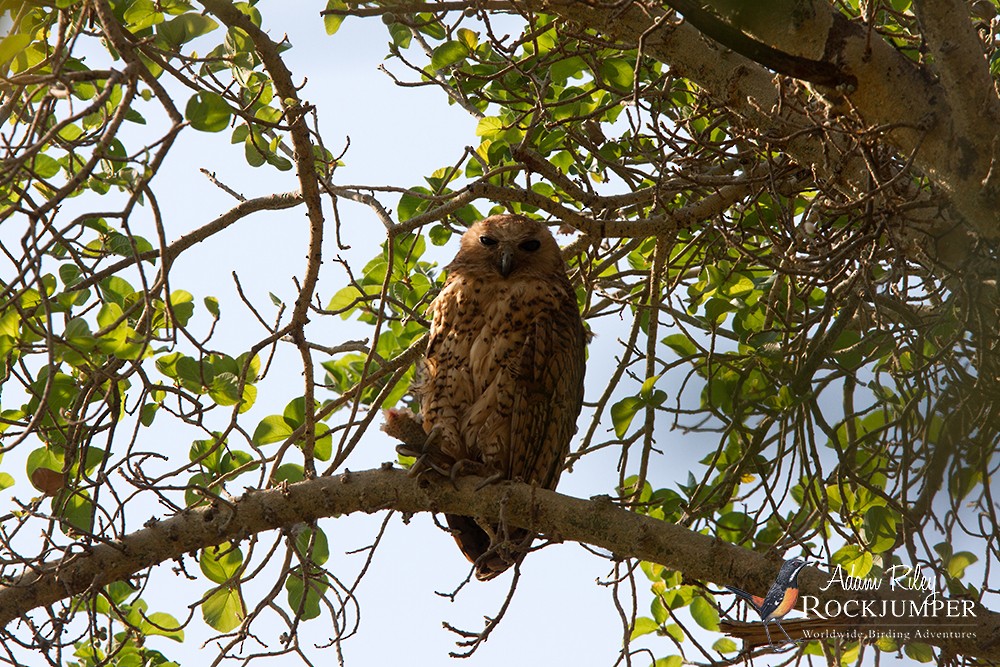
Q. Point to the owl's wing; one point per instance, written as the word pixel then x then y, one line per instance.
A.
pixel 548 391
pixel 445 386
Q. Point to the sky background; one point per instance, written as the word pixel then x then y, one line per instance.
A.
pixel 563 611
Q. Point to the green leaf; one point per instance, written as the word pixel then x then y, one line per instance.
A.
pixel 643 626
pixel 189 371
pixel 45 166
pixel 289 472
pixel 489 127
pixel 221 563
pixel 469 38
pixel 117 290
pixel 880 529
pixel 304 594
pixel 919 652
pixel 184 28
pixel 252 154
pixel 332 21
pixel 142 14
pixel 705 614
pixel 345 297
pixel 223 609
pixel 439 234
pixel 411 204
pixel 248 398
pixel 447 54
pixel 110 314
pixel 70 133
pixel 182 306
pixel 212 306
pixel 208 112
pixel 295 412
pixel 78 333
pixel 855 561
pixel 960 561
pixel 401 35
pixel 225 389
pixel 6 481
pixel 680 344
pixel 148 413
pixel 162 624
pixel 323 444
pixel 618 72
pixel 253 369
pixel 646 391
pixel 623 412
pixel 76 511
pixel 320 547
pixel 669 661
pixel 272 428
pixel 725 645
pixel 12 45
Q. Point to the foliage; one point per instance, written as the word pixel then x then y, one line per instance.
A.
pixel 845 374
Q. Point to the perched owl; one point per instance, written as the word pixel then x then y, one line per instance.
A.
pixel 502 381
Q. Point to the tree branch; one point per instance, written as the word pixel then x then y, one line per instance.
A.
pixel 815 71
pixel 599 522
pixel 892 92
pixel 275 202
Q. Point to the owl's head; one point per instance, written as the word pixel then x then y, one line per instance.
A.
pixel 509 246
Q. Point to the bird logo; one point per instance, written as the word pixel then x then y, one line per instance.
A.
pixel 780 599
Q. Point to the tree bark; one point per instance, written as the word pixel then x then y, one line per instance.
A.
pixel 894 93
pixel 599 522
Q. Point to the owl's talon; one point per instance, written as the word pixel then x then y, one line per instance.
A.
pixel 433 437
pixel 468 467
pixel 423 464
pixel 492 479
pixel 406 450
pixel 455 470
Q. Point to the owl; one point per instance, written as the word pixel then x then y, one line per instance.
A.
pixel 502 378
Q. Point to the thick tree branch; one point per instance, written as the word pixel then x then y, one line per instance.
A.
pixel 892 92
pixel 598 521
pixel 959 62
pixel 814 71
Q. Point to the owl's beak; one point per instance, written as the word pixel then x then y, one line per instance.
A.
pixel 506 261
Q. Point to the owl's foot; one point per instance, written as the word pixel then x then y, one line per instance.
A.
pixel 428 453
pixel 466 467
pixel 492 479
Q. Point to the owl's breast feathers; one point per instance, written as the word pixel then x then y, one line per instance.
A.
pixel 504 373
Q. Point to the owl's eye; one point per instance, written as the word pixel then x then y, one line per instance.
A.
pixel 531 245
pixel 487 241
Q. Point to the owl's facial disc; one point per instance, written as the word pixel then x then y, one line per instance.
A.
pixel 509 244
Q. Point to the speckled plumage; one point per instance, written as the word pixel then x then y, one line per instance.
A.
pixel 503 377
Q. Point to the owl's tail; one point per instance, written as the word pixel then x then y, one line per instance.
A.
pixel 489 559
